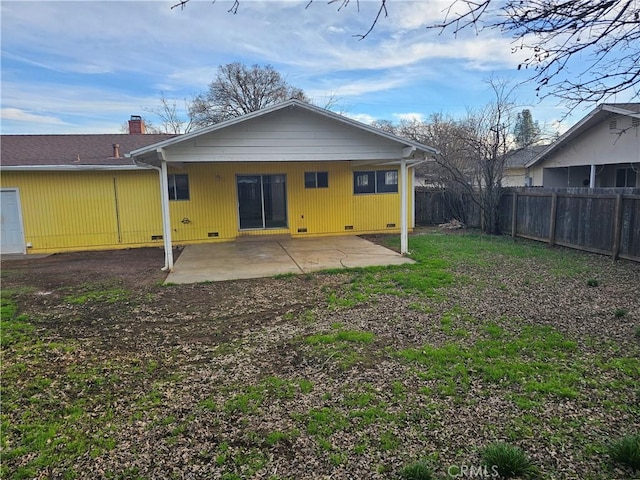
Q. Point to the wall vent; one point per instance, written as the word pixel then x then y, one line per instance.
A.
pixel 348 227
pixel 613 124
pixel 212 234
pixel 156 237
pixel 302 230
pixel 391 225
pixel 635 122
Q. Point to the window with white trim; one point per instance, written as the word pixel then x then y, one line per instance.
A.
pixel 375 181
pixel 178 186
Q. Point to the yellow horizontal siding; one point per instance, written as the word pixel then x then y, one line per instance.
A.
pixel 101 210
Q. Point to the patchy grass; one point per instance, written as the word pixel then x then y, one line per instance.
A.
pixel 349 374
pixel 532 363
pixel 98 294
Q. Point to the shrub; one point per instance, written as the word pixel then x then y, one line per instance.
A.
pixel 419 470
pixel 626 451
pixel 509 461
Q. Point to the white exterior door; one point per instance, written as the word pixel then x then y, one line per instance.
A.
pixel 11 232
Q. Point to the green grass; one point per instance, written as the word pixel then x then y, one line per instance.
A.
pixel 343 347
pixel 507 460
pixel 107 295
pixel 341 336
pixel 419 470
pixel 436 254
pixel 626 452
pixel 15 328
pixel 63 401
pixel 620 312
pixel 532 362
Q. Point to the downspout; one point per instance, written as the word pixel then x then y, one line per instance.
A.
pixel 592 176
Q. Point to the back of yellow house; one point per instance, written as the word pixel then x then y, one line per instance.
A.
pixel 290 169
pixel 95 210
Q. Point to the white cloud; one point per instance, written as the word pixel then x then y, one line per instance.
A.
pixel 18 115
pixel 361 117
pixel 410 116
pixel 99 62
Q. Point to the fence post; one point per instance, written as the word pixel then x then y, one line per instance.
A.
pixel 514 215
pixel 617 227
pixel 552 225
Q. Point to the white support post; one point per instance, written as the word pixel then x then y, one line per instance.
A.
pixel 413 197
pixel 166 218
pixel 404 231
pixel 592 177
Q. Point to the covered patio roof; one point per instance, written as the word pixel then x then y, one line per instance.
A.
pixel 291 131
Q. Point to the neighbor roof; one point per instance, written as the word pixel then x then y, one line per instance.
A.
pixel 522 156
pixel 71 151
pixel 596 116
pixel 292 103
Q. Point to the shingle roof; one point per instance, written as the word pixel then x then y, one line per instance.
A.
pixel 522 156
pixel 40 150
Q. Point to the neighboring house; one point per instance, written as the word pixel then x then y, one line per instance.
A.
pixel 601 150
pixel 292 169
pixel 515 171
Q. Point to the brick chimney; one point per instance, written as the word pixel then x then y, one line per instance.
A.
pixel 136 125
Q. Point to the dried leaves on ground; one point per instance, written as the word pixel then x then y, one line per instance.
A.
pixel 357 374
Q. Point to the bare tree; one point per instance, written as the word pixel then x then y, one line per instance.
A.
pixel 488 141
pixel 469 165
pixel 604 34
pixel 173 121
pixel 238 90
pixel 579 50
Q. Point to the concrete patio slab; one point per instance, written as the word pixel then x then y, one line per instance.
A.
pixel 266 257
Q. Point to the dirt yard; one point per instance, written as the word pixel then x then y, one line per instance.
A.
pixel 329 375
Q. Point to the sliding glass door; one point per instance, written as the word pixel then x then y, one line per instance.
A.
pixel 262 201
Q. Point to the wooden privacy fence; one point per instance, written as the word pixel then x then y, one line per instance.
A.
pixel 601 220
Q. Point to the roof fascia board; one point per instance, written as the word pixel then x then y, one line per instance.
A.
pixel 70 168
pixel 620 111
pixel 564 137
pixel 281 106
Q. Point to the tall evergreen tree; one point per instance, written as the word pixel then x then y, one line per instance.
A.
pixel 525 130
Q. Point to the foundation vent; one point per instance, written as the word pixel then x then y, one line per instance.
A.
pixel 348 227
pixel 212 234
pixel 391 225
pixel 156 237
pixel 302 230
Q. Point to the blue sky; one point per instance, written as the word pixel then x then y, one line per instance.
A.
pixel 86 66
